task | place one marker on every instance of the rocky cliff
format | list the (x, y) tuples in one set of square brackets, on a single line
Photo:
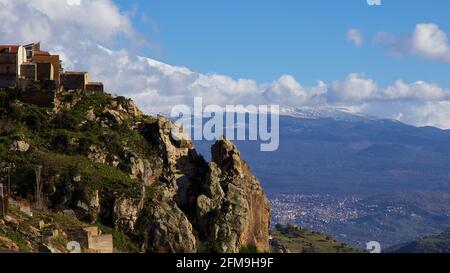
[(110, 164), (232, 209)]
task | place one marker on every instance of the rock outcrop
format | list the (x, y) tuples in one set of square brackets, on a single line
[(220, 204), (164, 227), (126, 213), (20, 146), (107, 162), (233, 211)]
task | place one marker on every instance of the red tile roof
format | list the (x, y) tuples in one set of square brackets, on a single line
[(13, 48), (41, 53), (75, 73)]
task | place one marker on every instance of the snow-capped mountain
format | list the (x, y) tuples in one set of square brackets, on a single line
[(163, 85), (335, 113)]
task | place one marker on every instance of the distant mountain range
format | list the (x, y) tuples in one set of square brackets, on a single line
[(328, 150), (316, 113), (385, 163)]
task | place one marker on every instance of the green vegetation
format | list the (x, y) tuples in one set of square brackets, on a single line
[(67, 143), (24, 231), (122, 242), (18, 239), (249, 249), (60, 143), (301, 240)]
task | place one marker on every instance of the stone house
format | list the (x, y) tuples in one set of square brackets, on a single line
[(91, 239), (80, 81), (75, 80), (94, 87), (50, 66), (28, 63)]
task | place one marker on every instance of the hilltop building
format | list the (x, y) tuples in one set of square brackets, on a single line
[(80, 81), (75, 80), (49, 66), (11, 59), (38, 75), (95, 87)]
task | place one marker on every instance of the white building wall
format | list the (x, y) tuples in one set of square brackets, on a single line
[(21, 58)]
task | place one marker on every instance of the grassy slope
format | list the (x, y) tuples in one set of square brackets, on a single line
[(298, 240), (50, 136)]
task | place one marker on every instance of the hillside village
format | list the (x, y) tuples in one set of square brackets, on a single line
[(38, 75)]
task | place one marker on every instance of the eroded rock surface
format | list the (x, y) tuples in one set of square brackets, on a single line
[(233, 210)]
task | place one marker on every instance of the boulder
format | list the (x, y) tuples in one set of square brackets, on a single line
[(20, 146), (8, 244)]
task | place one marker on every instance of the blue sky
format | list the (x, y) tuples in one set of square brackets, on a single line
[(390, 61), (265, 39)]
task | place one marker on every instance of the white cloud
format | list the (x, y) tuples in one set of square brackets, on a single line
[(156, 87), (427, 41), (431, 42), (356, 37), (287, 91), (356, 88), (431, 113), (76, 32), (74, 2), (57, 22), (418, 91)]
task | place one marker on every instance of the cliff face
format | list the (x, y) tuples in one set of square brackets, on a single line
[(232, 209), (220, 205), (108, 163)]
